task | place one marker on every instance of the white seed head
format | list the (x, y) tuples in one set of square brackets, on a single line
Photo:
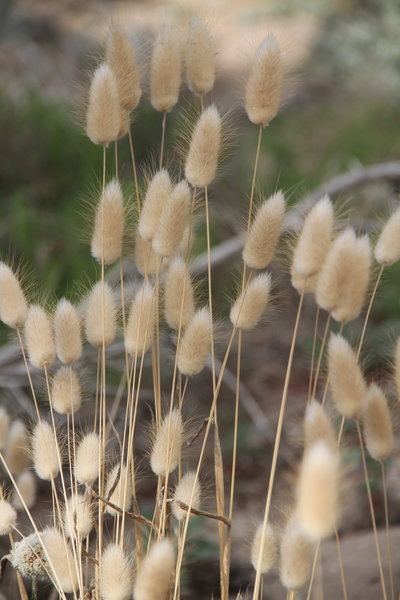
[(87, 459), (156, 572), (297, 555), (8, 517), (116, 574), (66, 397), (77, 517), (167, 445), (269, 554), (317, 426), (387, 249), (165, 70), (122, 494), (108, 229), (173, 221), (44, 451), (103, 111), (205, 144), (67, 332), (195, 343), (13, 306), (179, 296), (39, 338), (101, 315), (249, 307), (60, 564), (16, 452), (264, 233), (188, 488), (345, 378), (26, 484), (141, 322), (158, 191)]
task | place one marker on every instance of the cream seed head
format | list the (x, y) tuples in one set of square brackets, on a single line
[(249, 307), (16, 453), (205, 144), (26, 484), (269, 552), (156, 572), (200, 52), (263, 236), (108, 230), (158, 191), (187, 486), (101, 315), (141, 322), (77, 517), (179, 296), (297, 555), (66, 397), (195, 343), (173, 221), (264, 85), (8, 517), (387, 249), (346, 380), (120, 56), (67, 332), (61, 565), (116, 574), (122, 494), (103, 111), (147, 261), (4, 427), (39, 338), (317, 426), (377, 423), (165, 69), (13, 306), (87, 459), (167, 445), (44, 451)]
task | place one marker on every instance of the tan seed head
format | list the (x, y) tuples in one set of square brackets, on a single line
[(263, 236), (387, 249), (187, 489), (39, 338), (156, 572), (26, 484), (100, 315), (116, 574), (66, 396), (67, 332), (167, 445), (77, 517), (158, 191), (179, 296), (297, 555), (165, 70), (122, 494), (44, 451), (103, 111), (120, 56), (200, 51), (269, 551), (346, 380), (141, 322), (195, 343), (87, 459), (108, 230), (16, 453), (249, 307), (205, 144), (173, 221), (13, 306), (377, 422), (317, 426), (60, 556)]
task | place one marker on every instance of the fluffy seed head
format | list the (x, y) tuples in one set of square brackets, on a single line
[(4, 427), (77, 517), (249, 307), (173, 220), (146, 260), (156, 572), (44, 451), (122, 494), (317, 491), (67, 332), (167, 445), (317, 426), (13, 306), (378, 430), (8, 517), (195, 343), (187, 486), (120, 56), (179, 297), (103, 111), (264, 233), (124, 122), (16, 452), (116, 574), (345, 377), (26, 484), (39, 338), (101, 309), (28, 557), (264, 85), (200, 54), (297, 554), (108, 230), (141, 321), (269, 550), (87, 459), (304, 285), (61, 559), (387, 249), (165, 70), (66, 395), (202, 158), (157, 194)]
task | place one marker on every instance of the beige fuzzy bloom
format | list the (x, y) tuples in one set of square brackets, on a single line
[(318, 427), (187, 486), (173, 220), (67, 332), (66, 397), (39, 338), (195, 343), (317, 505), (167, 444), (314, 241), (387, 249), (116, 574), (16, 453), (26, 484), (120, 56), (205, 144), (179, 296), (249, 307), (8, 517), (156, 572), (4, 427), (158, 191), (100, 315), (60, 557), (87, 459), (263, 236), (13, 306), (124, 123), (297, 555), (264, 85), (77, 517), (141, 322), (269, 549), (44, 451), (200, 52), (122, 494), (147, 261), (108, 230), (346, 380), (185, 245), (103, 111), (165, 70), (378, 429), (304, 285)]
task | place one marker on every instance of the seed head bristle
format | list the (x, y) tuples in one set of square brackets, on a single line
[(249, 307), (77, 517), (167, 444), (141, 322), (187, 486), (108, 230), (13, 306), (179, 296), (269, 549), (378, 429), (87, 459), (317, 426), (297, 554), (39, 338), (156, 572), (264, 233), (120, 56), (158, 191), (204, 149), (173, 221), (67, 332), (122, 494), (4, 427), (66, 397), (44, 451), (165, 69), (195, 343), (116, 574), (101, 315), (8, 517), (26, 484), (103, 111), (16, 452), (346, 380), (387, 249), (200, 52)]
